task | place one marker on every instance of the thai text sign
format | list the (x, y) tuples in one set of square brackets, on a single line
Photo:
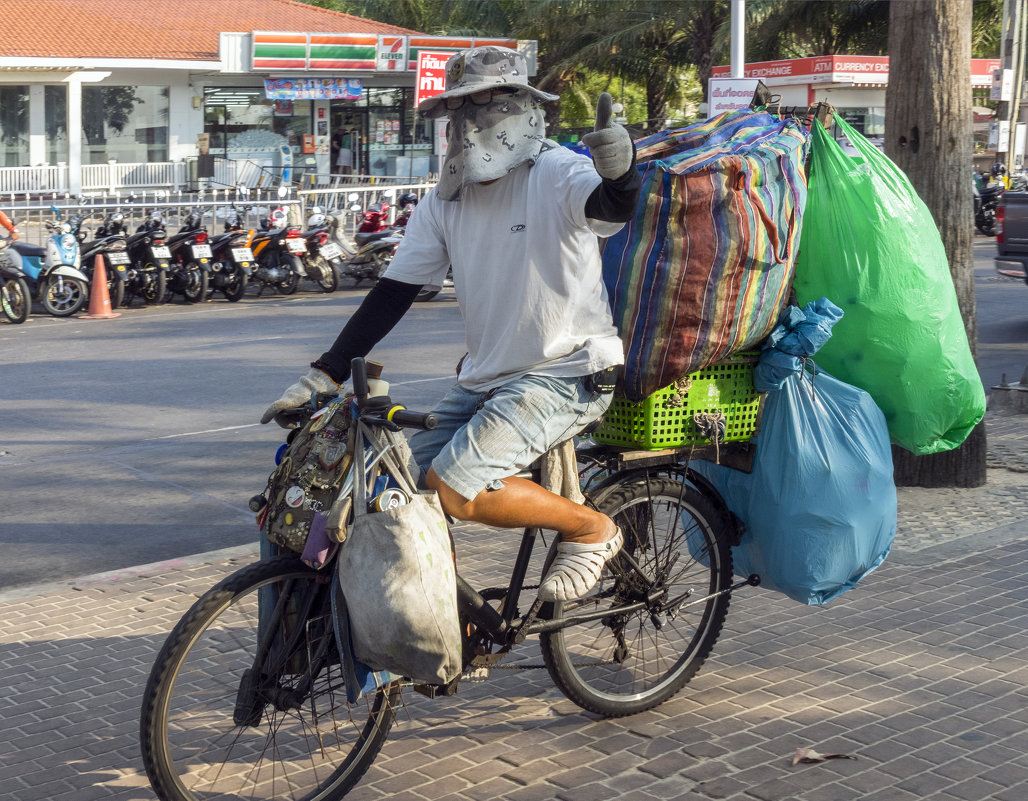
[(431, 75)]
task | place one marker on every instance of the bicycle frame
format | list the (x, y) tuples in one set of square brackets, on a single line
[(504, 627)]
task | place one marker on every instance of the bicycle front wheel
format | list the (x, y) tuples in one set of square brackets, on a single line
[(628, 662), (226, 716)]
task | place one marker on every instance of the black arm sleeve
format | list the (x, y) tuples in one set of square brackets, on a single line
[(381, 309), (615, 200)]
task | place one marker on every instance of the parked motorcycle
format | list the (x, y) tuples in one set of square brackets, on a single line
[(110, 247), (985, 202), (15, 297), (190, 259), (323, 258), (52, 270), (376, 242), (375, 219), (232, 258), (147, 272), (278, 248)]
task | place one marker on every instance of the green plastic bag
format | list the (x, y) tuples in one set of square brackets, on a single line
[(870, 245)]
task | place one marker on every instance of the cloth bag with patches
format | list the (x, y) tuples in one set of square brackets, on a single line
[(300, 515), (397, 574)]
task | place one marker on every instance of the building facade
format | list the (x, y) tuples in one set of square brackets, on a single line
[(164, 91), (854, 85)]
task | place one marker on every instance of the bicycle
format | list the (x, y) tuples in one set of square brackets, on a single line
[(247, 697)]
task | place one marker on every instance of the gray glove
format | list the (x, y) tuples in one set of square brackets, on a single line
[(609, 143), (300, 392)]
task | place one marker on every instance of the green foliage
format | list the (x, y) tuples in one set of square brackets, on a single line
[(663, 51), (986, 28)]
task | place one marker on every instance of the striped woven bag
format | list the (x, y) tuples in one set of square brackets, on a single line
[(704, 267)]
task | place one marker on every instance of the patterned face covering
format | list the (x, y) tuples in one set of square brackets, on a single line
[(486, 142)]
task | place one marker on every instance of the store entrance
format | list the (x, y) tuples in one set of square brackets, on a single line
[(349, 130)]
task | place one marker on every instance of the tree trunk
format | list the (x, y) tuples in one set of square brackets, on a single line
[(928, 135), (656, 100)]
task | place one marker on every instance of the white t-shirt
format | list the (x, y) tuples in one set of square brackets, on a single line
[(526, 271)]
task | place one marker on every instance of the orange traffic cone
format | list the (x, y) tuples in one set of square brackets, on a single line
[(99, 297)]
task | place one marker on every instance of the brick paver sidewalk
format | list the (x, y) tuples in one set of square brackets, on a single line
[(921, 673)]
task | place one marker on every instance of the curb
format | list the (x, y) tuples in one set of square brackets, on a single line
[(122, 574)]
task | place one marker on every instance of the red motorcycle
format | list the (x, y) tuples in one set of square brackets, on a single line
[(375, 219)]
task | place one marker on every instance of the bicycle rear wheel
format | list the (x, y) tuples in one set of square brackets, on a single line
[(213, 728), (627, 662)]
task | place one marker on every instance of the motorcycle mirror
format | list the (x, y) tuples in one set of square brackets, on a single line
[(282, 191), (355, 207), (389, 193), (353, 196)]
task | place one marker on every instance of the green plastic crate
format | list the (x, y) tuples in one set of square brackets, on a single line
[(666, 419)]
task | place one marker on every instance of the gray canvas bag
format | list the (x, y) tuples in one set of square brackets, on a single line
[(397, 575)]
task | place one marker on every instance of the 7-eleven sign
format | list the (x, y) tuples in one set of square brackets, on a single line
[(431, 76), (392, 51)]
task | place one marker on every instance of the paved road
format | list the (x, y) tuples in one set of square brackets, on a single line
[(133, 440), (1002, 319)]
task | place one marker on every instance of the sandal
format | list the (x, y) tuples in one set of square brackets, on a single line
[(577, 568)]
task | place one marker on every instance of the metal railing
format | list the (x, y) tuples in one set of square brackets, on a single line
[(31, 216), (172, 176), (31, 211), (343, 198)]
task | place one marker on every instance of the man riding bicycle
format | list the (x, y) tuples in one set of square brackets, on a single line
[(517, 217)]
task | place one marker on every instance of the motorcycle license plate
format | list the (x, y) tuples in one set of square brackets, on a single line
[(242, 254), (119, 258), (201, 251), (297, 245), (331, 250), (161, 252)]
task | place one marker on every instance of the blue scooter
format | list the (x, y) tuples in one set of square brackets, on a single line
[(52, 270)]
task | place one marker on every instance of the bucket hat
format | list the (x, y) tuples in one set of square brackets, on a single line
[(478, 69)]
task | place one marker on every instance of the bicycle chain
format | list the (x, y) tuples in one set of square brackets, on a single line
[(533, 667)]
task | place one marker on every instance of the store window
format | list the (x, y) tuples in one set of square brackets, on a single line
[(14, 126), (868, 121), (399, 143), (244, 124), (55, 102), (128, 124)]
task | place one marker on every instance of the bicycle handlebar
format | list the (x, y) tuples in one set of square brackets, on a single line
[(382, 407), (379, 409)]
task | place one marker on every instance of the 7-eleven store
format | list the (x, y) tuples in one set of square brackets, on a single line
[(281, 96)]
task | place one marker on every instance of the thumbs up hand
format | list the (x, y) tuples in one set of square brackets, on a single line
[(609, 143)]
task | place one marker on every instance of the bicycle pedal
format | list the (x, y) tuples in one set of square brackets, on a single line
[(476, 675)]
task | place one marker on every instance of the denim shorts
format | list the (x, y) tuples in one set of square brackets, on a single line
[(483, 437)]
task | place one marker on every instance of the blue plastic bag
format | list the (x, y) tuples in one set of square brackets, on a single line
[(820, 505)]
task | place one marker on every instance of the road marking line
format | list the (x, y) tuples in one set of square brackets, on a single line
[(208, 431), (233, 342), (254, 425)]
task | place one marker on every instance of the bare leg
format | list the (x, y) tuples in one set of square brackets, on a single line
[(523, 504)]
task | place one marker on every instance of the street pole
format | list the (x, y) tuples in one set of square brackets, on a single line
[(1012, 59), (738, 38)]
